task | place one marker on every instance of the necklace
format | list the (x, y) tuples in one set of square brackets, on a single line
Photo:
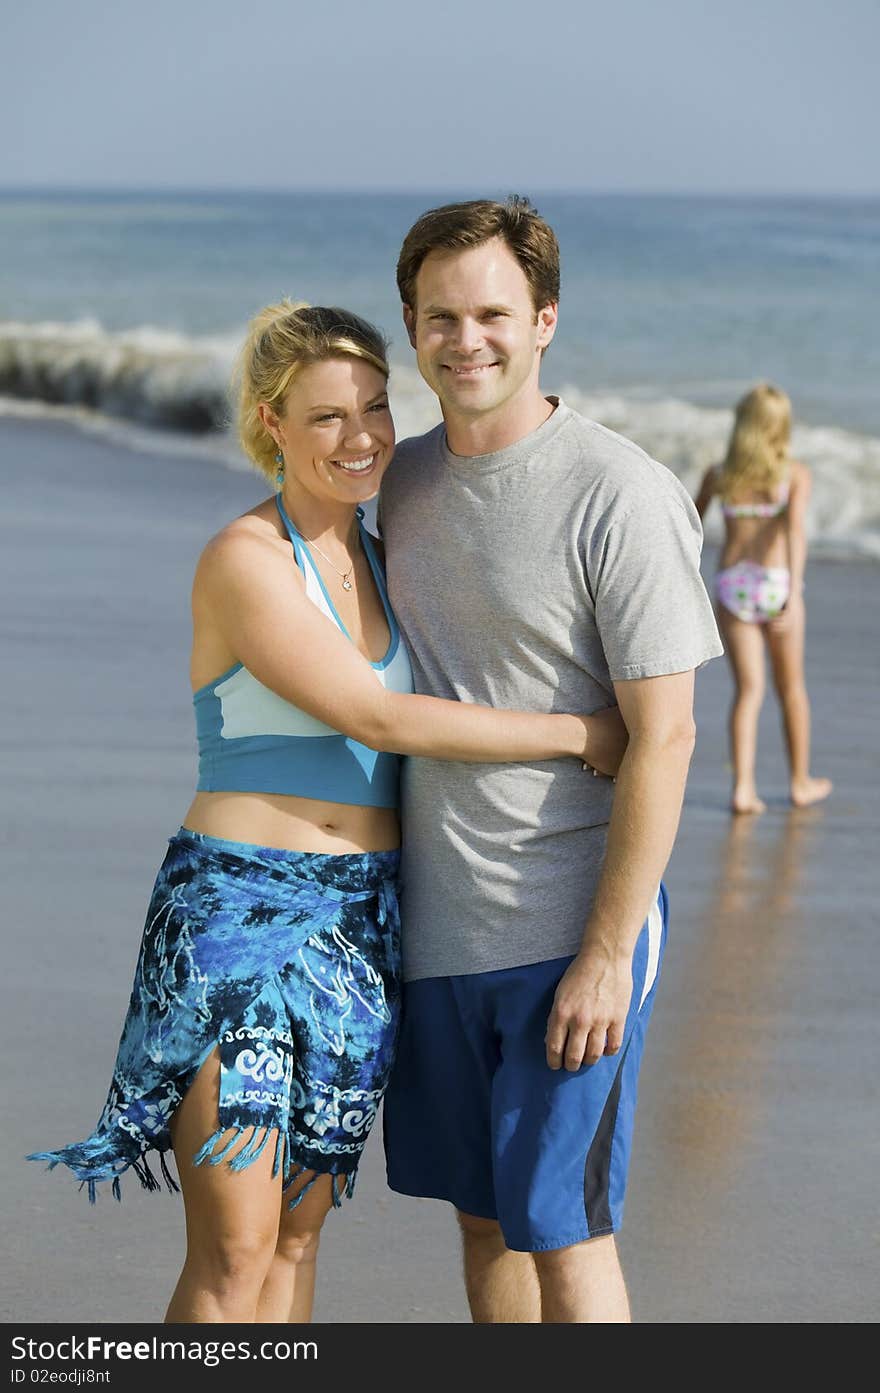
[(346, 583)]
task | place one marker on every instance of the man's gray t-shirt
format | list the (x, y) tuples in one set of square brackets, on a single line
[(531, 578)]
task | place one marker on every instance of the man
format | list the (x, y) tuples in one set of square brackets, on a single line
[(535, 560)]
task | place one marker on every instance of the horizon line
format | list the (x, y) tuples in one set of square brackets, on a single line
[(461, 191)]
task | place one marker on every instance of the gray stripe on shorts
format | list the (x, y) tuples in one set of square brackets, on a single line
[(597, 1168)]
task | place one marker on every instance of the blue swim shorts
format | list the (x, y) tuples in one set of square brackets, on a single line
[(287, 964), (474, 1115)]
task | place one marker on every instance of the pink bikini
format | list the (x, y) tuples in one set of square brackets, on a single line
[(752, 592)]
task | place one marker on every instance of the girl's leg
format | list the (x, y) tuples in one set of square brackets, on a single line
[(231, 1216), (288, 1291), (786, 649), (744, 646)]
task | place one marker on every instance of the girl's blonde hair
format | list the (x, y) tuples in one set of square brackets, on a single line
[(757, 456), (282, 340)]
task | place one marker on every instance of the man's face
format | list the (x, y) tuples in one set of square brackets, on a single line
[(477, 336)]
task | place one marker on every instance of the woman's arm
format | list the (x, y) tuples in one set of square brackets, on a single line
[(796, 539), (796, 525), (706, 491), (258, 602)]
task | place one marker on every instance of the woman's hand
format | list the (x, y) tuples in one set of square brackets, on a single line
[(789, 616), (607, 738)]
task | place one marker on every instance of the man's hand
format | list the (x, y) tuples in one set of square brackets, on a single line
[(607, 738), (589, 1010)]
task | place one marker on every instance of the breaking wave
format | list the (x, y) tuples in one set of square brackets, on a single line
[(163, 391)]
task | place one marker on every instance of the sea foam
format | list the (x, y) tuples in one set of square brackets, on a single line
[(161, 391)]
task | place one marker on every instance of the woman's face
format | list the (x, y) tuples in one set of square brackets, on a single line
[(336, 432)]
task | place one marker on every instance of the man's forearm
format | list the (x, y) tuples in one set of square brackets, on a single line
[(591, 1004), (644, 821)]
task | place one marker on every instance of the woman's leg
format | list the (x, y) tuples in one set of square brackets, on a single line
[(786, 648), (744, 646), (231, 1216), (289, 1287)]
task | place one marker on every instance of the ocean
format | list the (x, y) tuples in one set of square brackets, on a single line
[(123, 312)]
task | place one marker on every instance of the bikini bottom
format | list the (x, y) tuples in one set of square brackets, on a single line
[(752, 592)]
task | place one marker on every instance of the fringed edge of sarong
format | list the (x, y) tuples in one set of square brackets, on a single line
[(90, 1177), (342, 1184), (248, 1153)]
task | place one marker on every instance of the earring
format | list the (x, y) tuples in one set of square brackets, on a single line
[(279, 460)]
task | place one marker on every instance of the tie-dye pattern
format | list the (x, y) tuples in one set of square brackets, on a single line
[(289, 962)]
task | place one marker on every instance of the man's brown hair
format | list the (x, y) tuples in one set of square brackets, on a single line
[(458, 225)]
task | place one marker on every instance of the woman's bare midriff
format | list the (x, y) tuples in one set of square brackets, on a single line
[(294, 824)]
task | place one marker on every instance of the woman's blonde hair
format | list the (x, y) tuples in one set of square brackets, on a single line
[(282, 340), (757, 455)]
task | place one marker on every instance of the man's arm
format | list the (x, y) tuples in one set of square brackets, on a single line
[(592, 999)]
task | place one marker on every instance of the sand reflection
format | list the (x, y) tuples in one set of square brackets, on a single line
[(741, 987)]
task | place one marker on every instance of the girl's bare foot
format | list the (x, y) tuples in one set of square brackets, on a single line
[(807, 791), (746, 800)]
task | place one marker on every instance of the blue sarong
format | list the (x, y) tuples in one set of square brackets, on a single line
[(287, 961)]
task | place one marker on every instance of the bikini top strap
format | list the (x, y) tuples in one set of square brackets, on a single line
[(378, 573), (296, 541)]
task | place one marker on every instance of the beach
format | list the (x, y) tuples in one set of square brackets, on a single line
[(752, 1191)]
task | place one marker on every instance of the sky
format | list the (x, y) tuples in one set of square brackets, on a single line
[(706, 96)]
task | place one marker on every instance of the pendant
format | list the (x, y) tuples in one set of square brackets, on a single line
[(346, 585)]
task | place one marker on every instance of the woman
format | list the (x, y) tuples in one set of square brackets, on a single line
[(759, 587), (262, 1022)]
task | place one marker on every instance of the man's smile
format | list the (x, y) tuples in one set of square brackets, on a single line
[(469, 369)]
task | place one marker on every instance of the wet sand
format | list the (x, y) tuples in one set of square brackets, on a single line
[(752, 1195)]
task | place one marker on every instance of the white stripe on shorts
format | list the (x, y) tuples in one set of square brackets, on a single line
[(655, 933)]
